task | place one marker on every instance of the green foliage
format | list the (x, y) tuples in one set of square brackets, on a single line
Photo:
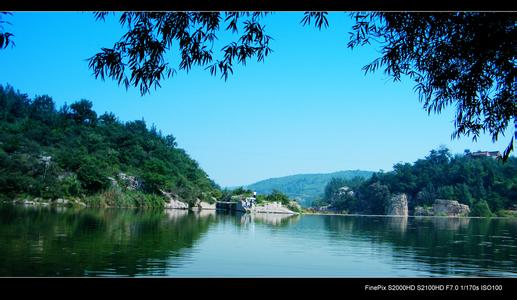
[(71, 152), (93, 176), (453, 62), (242, 191), (481, 209), (306, 188), (483, 183), (277, 196), (139, 58)]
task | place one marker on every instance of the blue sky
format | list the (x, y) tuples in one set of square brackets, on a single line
[(309, 108)]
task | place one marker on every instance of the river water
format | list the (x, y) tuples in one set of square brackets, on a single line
[(123, 242)]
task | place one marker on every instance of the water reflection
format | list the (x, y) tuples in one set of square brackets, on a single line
[(37, 241), (279, 220), (398, 224), (444, 246), (174, 214), (46, 241)]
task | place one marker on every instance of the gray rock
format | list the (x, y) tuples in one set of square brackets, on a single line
[(131, 182), (195, 206), (273, 207), (173, 201), (206, 205), (61, 201), (451, 208), (397, 205), (175, 204)]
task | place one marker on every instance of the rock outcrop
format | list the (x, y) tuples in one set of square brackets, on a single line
[(173, 201), (200, 205), (175, 204), (397, 205), (206, 205), (131, 182), (274, 207), (451, 208)]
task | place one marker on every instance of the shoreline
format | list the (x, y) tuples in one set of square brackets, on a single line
[(398, 216), (49, 205)]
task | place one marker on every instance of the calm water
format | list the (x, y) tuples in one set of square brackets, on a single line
[(121, 242)]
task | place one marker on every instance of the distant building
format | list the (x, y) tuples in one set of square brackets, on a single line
[(493, 154)]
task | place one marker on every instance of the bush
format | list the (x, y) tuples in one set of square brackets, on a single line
[(92, 175), (481, 209)]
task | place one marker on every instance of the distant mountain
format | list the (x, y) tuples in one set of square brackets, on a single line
[(304, 187)]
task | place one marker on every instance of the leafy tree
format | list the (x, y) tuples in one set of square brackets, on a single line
[(481, 209), (277, 196), (170, 141), (92, 175), (139, 57), (43, 109), (5, 37), (471, 180), (68, 152), (461, 59), (108, 118), (373, 198), (83, 113)]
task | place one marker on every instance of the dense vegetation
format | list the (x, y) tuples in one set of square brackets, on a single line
[(485, 184), (71, 152), (305, 188)]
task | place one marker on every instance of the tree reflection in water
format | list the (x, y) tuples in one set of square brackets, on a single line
[(92, 242), (446, 246)]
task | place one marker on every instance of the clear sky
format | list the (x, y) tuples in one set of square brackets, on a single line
[(309, 108)]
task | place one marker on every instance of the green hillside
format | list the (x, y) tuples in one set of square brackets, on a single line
[(73, 153), (304, 187)]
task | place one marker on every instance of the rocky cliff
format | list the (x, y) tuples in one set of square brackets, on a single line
[(451, 208), (397, 206)]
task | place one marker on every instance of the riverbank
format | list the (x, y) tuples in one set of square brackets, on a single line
[(512, 215), (99, 201)]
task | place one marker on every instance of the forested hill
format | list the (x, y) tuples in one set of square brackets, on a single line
[(72, 152), (304, 187), (486, 184)]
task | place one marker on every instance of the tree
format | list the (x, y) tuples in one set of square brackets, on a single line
[(5, 37), (138, 58), (481, 209), (170, 141), (83, 113), (43, 109), (93, 176), (462, 59), (373, 197), (277, 196)]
